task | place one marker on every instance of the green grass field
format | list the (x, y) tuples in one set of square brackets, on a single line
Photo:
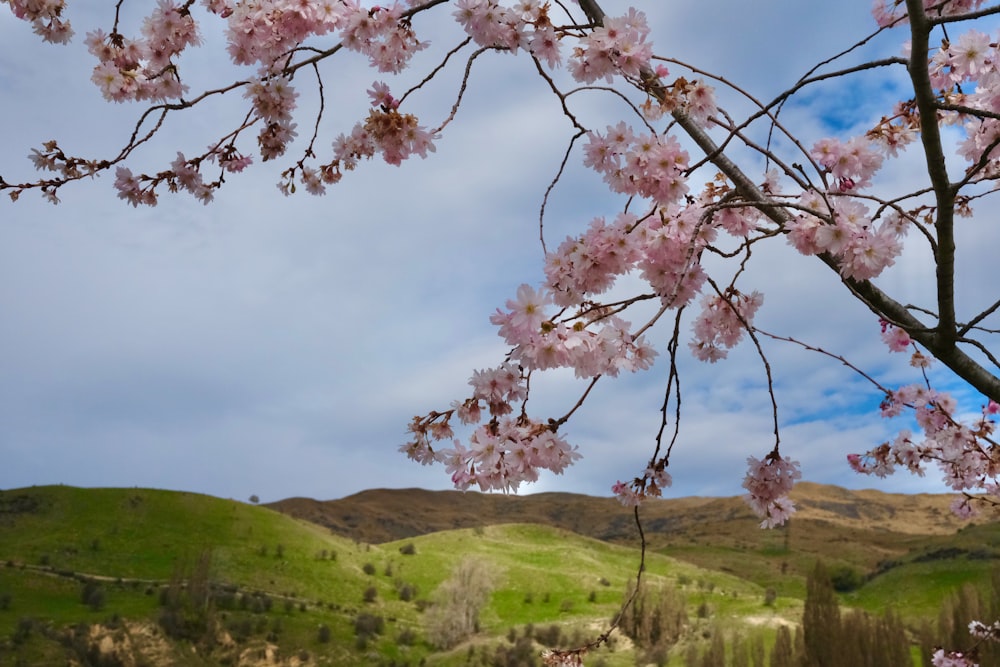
[(134, 542)]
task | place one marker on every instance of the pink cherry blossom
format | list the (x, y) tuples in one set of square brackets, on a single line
[(895, 338), (768, 483), (722, 323), (853, 163), (942, 658), (619, 47), (46, 18)]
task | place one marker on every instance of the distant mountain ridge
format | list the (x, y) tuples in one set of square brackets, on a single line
[(867, 530), (385, 515)]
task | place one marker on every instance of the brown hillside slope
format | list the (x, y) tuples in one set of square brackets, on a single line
[(858, 528), (384, 515)]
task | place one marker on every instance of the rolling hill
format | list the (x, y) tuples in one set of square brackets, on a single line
[(126, 577), (866, 530)]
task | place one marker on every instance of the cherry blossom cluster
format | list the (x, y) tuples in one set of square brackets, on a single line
[(563, 658), (601, 347), (589, 264), (895, 132), (893, 12), (768, 483), (863, 247), (722, 321), (524, 26), (386, 132), (966, 72), (45, 16), (965, 452), (144, 68), (264, 32), (663, 248), (504, 452), (943, 658), (968, 69), (51, 158), (273, 101), (843, 226), (896, 339), (852, 164), (654, 480), (979, 631), (267, 32), (184, 175), (618, 47), (649, 165), (696, 98)]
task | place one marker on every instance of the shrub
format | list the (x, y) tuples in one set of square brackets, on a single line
[(368, 568), (241, 629), (406, 591), (92, 595), (408, 549), (370, 594), (549, 636), (323, 635), (24, 629), (368, 625), (845, 579)]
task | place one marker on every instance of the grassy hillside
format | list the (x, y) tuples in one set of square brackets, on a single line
[(862, 530), (133, 542), (277, 582)]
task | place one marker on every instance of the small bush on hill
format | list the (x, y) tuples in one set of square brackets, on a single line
[(368, 625), (93, 596)]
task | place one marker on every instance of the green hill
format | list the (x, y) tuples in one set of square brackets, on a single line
[(864, 531), (139, 576), (134, 545)]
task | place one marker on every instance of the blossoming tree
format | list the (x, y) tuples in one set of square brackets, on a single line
[(705, 188)]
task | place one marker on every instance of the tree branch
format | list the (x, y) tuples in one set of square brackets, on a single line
[(940, 341), (944, 192)]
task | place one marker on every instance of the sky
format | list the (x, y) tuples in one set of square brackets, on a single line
[(278, 346)]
